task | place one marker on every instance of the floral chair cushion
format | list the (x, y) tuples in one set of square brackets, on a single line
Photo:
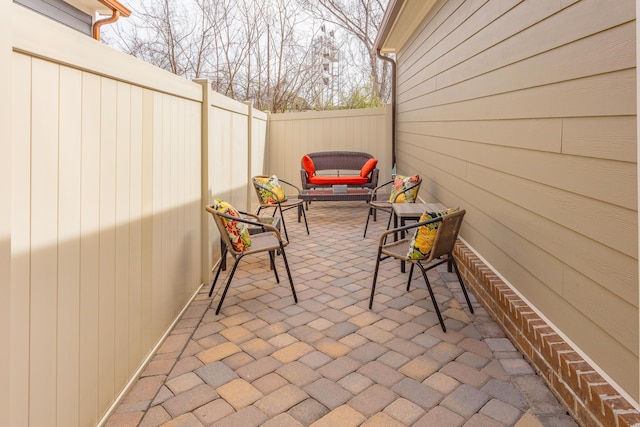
[(400, 184), (424, 236), (237, 232), (270, 190)]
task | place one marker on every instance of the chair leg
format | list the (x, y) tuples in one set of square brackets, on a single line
[(215, 279), (433, 298), (390, 218), (375, 277), (284, 226), (366, 224), (286, 265), (304, 215), (410, 275), (464, 290), (226, 288), (273, 266)]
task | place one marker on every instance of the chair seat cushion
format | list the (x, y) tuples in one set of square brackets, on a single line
[(337, 180), (425, 235), (237, 232)]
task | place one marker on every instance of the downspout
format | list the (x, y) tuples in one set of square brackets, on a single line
[(393, 105), (110, 20)]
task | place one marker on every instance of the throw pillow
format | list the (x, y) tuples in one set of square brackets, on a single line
[(237, 232), (308, 166), (368, 167), (270, 190), (423, 238), (400, 185)]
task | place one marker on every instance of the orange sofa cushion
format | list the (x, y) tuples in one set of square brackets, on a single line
[(368, 167), (307, 164), (337, 180)]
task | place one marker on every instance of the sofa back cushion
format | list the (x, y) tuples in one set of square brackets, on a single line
[(308, 166), (368, 167)]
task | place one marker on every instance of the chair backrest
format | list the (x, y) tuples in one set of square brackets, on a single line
[(222, 230), (412, 188), (446, 235), (268, 189), (257, 188)]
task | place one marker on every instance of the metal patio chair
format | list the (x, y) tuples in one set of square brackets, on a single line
[(448, 227), (268, 241), (270, 196), (394, 197)]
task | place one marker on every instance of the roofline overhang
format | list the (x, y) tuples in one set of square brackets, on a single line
[(101, 7), (400, 21)]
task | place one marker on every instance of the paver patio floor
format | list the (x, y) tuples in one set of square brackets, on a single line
[(330, 361)]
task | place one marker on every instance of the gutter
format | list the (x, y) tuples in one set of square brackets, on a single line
[(117, 10), (391, 14), (393, 105)]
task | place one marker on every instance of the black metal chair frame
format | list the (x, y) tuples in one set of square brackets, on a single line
[(268, 241), (444, 242), (385, 205), (290, 203)]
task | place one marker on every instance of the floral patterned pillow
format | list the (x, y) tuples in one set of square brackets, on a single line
[(237, 232), (270, 190), (400, 184), (424, 236)]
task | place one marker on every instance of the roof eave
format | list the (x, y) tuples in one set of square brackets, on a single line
[(400, 21), (102, 7)]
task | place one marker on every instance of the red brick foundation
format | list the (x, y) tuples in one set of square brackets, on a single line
[(586, 394)]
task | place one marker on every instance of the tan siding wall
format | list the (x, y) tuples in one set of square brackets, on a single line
[(105, 219), (524, 113), (292, 135)]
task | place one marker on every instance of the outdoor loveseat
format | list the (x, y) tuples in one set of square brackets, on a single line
[(328, 168)]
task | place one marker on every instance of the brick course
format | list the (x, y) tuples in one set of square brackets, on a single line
[(586, 394)]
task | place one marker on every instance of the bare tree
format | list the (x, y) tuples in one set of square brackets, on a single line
[(250, 50), (362, 19)]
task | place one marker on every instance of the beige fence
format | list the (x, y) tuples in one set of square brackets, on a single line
[(105, 212), (110, 165)]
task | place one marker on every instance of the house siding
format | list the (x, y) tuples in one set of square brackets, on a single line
[(524, 113)]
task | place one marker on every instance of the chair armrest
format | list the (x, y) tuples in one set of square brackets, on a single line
[(383, 236), (417, 184), (375, 190), (374, 177), (265, 227), (303, 178), (249, 214), (290, 184)]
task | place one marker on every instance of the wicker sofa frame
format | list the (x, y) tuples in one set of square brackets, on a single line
[(340, 163)]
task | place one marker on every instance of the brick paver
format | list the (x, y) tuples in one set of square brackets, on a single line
[(329, 360)]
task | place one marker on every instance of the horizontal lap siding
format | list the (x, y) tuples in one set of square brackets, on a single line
[(524, 113)]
